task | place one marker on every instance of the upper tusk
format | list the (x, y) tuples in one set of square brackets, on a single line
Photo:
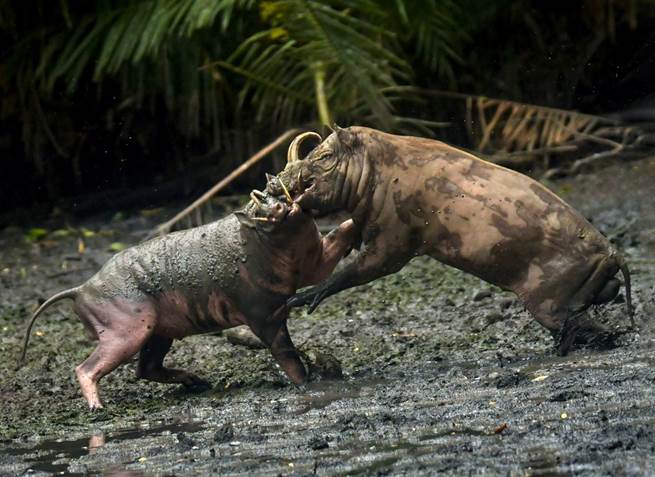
[(255, 199), (286, 192), (294, 147)]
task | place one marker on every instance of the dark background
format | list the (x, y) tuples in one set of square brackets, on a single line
[(134, 103)]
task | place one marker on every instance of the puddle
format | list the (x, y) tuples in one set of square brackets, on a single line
[(455, 431), (53, 456), (544, 462), (563, 364), (324, 393)]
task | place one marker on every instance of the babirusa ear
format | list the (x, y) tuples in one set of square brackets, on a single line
[(294, 147), (343, 135), (346, 138), (244, 219)]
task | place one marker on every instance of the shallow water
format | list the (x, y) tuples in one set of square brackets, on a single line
[(54, 455)]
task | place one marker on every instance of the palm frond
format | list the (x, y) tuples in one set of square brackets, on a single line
[(338, 59), (507, 126), (500, 125), (433, 30), (519, 134), (130, 42), (111, 37)]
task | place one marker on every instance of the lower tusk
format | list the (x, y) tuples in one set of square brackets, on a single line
[(261, 219), (286, 192), (255, 199)]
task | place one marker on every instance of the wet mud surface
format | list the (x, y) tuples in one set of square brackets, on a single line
[(440, 372)]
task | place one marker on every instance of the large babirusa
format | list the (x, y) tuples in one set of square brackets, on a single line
[(412, 196), (237, 270)]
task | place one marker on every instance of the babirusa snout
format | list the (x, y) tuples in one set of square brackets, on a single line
[(294, 147)]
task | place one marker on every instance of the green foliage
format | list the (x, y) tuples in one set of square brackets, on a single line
[(224, 75), (117, 246), (35, 234), (435, 30), (279, 62), (313, 46)]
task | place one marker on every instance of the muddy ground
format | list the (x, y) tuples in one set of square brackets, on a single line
[(441, 373)]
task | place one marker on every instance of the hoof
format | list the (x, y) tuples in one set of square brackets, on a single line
[(564, 343), (99, 414)]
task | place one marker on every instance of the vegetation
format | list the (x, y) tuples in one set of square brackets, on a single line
[(99, 94)]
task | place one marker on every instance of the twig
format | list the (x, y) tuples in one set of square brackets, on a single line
[(577, 165), (598, 139), (506, 156), (464, 96), (167, 226)]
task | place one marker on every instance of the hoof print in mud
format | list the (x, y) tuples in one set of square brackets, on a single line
[(508, 380), (197, 386), (482, 295), (184, 441), (225, 433), (318, 443), (323, 365), (568, 395), (355, 422)]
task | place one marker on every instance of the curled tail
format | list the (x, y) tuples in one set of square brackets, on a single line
[(70, 293), (628, 292)]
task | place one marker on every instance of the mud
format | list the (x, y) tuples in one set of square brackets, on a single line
[(441, 372)]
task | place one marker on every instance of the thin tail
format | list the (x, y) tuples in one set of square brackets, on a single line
[(70, 293), (628, 291)]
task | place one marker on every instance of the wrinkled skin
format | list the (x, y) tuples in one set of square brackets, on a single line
[(238, 270), (411, 196)]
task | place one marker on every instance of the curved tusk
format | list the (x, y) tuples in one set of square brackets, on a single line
[(294, 147), (286, 192), (259, 193), (254, 198)]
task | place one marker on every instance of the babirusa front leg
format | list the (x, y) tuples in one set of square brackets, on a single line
[(368, 265)]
